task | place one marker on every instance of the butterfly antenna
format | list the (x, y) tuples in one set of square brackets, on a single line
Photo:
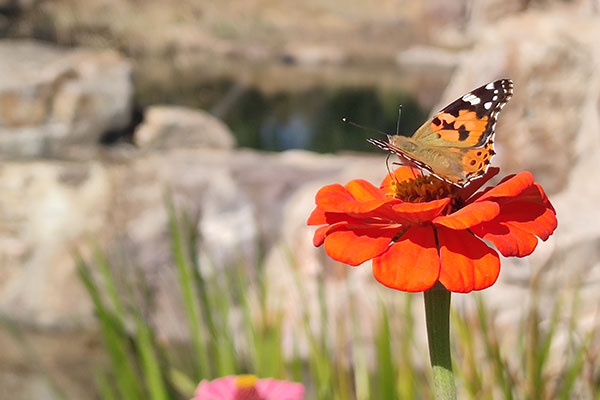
[(398, 123), (347, 121)]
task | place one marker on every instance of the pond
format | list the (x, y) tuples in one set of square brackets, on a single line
[(309, 119)]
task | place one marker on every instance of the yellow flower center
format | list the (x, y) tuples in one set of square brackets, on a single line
[(423, 189), (246, 388), (245, 381)]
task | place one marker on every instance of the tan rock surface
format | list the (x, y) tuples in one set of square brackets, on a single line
[(47, 210), (173, 127), (52, 97)]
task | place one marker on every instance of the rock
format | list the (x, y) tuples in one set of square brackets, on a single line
[(66, 360), (51, 98), (172, 127), (312, 56), (48, 210), (51, 208), (552, 68), (435, 59)]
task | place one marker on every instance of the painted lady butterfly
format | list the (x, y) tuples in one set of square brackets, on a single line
[(457, 144)]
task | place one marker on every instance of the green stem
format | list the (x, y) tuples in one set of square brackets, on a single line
[(437, 314)]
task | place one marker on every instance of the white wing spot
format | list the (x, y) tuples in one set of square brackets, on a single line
[(494, 98), (490, 86), (471, 98), (488, 105), (496, 91)]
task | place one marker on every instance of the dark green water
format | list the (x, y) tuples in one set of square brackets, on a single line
[(309, 119), (312, 120)]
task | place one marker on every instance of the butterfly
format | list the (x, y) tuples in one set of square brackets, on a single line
[(457, 144)]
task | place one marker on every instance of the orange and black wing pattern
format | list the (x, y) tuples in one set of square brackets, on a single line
[(457, 144)]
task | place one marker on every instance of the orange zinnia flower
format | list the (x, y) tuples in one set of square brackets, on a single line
[(419, 230)]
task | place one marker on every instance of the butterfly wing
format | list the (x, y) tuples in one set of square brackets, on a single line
[(469, 121), (457, 144), (446, 164)]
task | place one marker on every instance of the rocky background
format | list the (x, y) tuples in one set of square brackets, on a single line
[(71, 72)]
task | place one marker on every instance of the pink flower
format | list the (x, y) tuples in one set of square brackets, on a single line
[(248, 387)]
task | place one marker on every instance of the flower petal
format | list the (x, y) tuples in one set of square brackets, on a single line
[(544, 198), (329, 197), (415, 213), (220, 388), (469, 216), (510, 187), (338, 199), (509, 239), (349, 218), (272, 389), (364, 191), (355, 244), (515, 229), (320, 234), (467, 263), (535, 194), (530, 217), (317, 217), (412, 264)]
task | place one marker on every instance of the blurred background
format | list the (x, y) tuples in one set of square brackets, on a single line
[(158, 161)]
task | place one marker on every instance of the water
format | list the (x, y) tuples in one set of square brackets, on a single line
[(310, 119)]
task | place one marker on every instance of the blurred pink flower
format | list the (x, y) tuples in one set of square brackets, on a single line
[(248, 387)]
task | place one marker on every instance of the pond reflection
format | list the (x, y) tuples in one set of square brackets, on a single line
[(311, 119)]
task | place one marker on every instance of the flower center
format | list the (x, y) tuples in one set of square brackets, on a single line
[(423, 189), (246, 389)]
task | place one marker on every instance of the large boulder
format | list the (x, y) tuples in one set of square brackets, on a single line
[(49, 208), (180, 127), (52, 98)]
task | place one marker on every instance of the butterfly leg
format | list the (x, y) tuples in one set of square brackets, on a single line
[(387, 165), (412, 169)]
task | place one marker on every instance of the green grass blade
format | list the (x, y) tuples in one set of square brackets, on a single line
[(407, 378), (182, 382), (151, 367), (109, 284), (189, 295), (224, 347), (543, 352), (361, 368), (191, 235), (469, 372), (107, 391), (386, 368), (493, 352), (574, 370), (115, 338)]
